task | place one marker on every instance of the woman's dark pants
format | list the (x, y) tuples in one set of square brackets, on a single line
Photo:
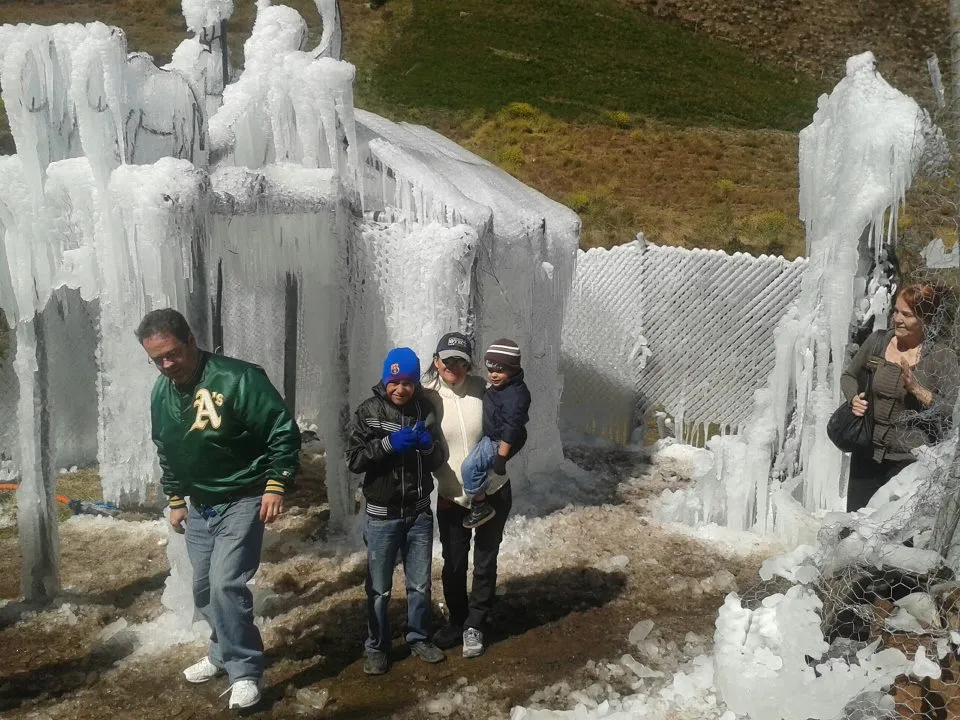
[(472, 610), (867, 476)]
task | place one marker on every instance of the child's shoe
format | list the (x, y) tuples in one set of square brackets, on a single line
[(480, 513)]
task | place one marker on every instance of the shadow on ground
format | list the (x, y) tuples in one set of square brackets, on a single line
[(335, 638)]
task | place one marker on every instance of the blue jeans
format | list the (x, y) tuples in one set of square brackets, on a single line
[(224, 551), (412, 537), (475, 469)]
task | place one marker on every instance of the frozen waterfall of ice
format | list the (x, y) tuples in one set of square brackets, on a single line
[(290, 228), (857, 160)]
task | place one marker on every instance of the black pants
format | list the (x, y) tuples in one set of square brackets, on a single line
[(867, 476), (472, 611)]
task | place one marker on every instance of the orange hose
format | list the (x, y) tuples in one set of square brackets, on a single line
[(13, 486)]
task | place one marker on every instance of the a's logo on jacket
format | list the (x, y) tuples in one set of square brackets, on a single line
[(395, 369), (206, 405)]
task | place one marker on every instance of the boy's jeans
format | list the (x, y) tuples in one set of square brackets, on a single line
[(412, 537), (475, 469), (224, 550)]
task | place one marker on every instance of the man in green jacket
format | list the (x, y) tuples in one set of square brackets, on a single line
[(228, 450)]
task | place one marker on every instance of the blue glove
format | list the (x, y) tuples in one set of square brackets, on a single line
[(403, 439), (424, 439)]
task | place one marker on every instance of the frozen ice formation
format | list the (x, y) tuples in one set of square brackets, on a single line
[(857, 159), (761, 660), (290, 228)]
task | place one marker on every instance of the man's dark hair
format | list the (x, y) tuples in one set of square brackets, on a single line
[(164, 322)]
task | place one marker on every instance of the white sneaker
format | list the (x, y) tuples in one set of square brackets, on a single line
[(202, 671), (244, 694), (472, 643)]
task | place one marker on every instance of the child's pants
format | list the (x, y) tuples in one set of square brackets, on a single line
[(475, 469)]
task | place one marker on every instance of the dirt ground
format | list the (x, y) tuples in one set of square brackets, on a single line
[(564, 598)]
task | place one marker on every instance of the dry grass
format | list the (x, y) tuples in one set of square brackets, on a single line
[(695, 187)]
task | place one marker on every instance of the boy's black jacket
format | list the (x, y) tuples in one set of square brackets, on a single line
[(506, 413), (395, 485)]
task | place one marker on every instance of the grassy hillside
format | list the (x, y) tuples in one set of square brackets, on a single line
[(631, 112), (581, 60)]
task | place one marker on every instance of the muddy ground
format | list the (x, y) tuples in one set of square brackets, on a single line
[(565, 598)]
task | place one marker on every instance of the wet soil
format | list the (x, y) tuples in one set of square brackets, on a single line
[(561, 603)]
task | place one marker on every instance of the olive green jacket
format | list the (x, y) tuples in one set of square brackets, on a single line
[(226, 436), (900, 422)]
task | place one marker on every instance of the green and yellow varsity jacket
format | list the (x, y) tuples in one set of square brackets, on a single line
[(227, 436)]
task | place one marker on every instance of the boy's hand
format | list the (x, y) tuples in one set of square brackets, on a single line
[(424, 440), (499, 465), (403, 439)]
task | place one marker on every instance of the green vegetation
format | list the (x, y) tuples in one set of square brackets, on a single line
[(579, 60)]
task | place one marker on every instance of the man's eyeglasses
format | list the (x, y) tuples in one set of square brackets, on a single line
[(455, 362), (174, 355)]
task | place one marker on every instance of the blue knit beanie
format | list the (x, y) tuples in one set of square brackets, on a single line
[(401, 364)]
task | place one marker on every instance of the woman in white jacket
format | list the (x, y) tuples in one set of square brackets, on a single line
[(458, 398)]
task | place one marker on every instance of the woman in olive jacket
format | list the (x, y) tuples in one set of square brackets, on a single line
[(458, 397), (912, 393)]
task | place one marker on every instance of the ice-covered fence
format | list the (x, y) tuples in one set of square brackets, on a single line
[(688, 330), (288, 232), (525, 258)]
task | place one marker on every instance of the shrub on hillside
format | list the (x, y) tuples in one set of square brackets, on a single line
[(620, 119), (510, 158), (578, 201), (520, 110)]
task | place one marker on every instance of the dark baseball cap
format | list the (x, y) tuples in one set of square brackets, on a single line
[(455, 345)]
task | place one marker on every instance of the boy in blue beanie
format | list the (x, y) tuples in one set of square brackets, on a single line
[(390, 441)]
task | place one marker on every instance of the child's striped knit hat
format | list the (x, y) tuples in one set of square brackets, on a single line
[(503, 354)]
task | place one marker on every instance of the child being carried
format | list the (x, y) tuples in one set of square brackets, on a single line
[(506, 408)]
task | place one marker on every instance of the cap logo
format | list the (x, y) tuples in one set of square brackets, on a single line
[(457, 341), (395, 369)]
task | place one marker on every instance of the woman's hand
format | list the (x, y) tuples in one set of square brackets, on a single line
[(859, 404), (912, 386)]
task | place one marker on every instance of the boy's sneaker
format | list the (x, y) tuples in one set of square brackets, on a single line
[(202, 671), (244, 694), (376, 663), (427, 651), (472, 643), (448, 636), (479, 514)]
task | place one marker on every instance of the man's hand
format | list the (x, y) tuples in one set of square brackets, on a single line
[(177, 518), (499, 465), (859, 405), (271, 505)]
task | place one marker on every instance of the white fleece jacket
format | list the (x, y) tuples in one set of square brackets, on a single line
[(460, 411)]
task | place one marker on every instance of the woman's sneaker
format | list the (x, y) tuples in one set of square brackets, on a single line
[(472, 643), (480, 513), (244, 694), (202, 671)]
